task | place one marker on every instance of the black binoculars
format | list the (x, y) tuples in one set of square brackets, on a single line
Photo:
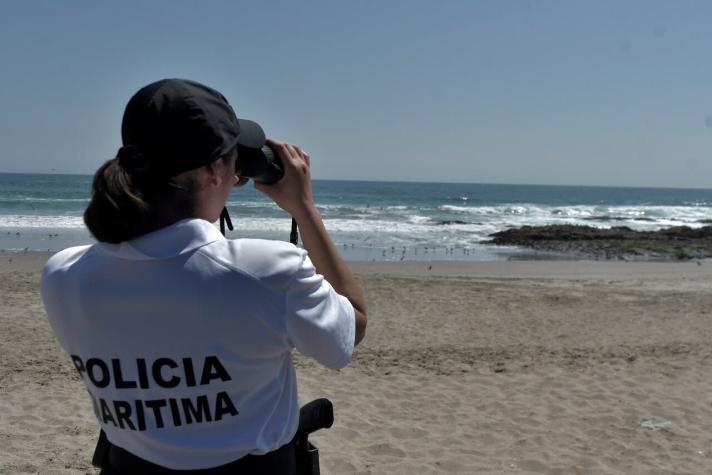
[(261, 164), (264, 166)]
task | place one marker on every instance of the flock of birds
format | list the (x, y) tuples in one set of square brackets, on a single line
[(404, 250)]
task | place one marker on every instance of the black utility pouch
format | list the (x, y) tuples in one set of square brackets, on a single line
[(311, 460), (101, 452)]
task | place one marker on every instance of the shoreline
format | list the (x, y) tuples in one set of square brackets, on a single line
[(33, 261), (527, 243)]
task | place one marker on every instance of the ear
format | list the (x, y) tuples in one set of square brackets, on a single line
[(214, 172)]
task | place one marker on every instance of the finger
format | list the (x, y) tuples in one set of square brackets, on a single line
[(273, 142), (296, 157), (303, 154), (281, 148), (298, 149), (294, 152)]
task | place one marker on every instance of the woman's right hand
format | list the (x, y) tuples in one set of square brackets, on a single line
[(293, 192)]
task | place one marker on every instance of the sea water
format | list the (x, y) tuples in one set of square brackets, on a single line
[(373, 220)]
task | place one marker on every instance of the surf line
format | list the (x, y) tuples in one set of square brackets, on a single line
[(133, 414)]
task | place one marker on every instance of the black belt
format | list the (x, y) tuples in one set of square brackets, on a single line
[(278, 462)]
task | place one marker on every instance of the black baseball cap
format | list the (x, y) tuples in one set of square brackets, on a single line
[(178, 125)]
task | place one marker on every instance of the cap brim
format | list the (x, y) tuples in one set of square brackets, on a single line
[(251, 134)]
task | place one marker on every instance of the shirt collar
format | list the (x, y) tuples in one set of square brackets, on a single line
[(178, 238)]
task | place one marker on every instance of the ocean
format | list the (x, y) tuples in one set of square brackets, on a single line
[(382, 221)]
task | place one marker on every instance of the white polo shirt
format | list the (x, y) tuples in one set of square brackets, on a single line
[(184, 339)]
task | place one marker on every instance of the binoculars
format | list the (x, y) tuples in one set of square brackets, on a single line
[(261, 164)]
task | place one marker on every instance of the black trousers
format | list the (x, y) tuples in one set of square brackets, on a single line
[(278, 462)]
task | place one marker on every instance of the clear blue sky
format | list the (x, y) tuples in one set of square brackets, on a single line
[(549, 92)]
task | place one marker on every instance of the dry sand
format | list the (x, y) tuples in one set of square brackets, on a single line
[(498, 368)]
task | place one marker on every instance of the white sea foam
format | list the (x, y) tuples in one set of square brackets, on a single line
[(251, 204), (476, 219), (417, 219), (16, 221), (31, 199), (536, 214)]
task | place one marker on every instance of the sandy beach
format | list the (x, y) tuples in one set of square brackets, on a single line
[(492, 368)]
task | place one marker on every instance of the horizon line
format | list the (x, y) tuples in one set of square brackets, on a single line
[(435, 182)]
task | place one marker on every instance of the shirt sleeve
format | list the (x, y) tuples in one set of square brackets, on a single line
[(321, 323)]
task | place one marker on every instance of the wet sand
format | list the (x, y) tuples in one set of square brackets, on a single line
[(493, 367)]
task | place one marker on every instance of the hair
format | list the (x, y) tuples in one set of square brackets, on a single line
[(128, 199)]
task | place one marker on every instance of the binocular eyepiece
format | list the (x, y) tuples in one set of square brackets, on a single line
[(261, 164)]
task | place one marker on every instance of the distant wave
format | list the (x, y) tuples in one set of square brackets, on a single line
[(618, 218), (31, 199), (683, 214)]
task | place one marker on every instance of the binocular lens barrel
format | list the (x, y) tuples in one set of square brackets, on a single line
[(261, 164)]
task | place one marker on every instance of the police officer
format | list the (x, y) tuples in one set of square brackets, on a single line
[(183, 338)]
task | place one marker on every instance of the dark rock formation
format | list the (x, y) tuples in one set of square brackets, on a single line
[(676, 243)]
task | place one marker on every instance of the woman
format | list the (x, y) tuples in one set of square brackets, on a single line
[(182, 337)]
